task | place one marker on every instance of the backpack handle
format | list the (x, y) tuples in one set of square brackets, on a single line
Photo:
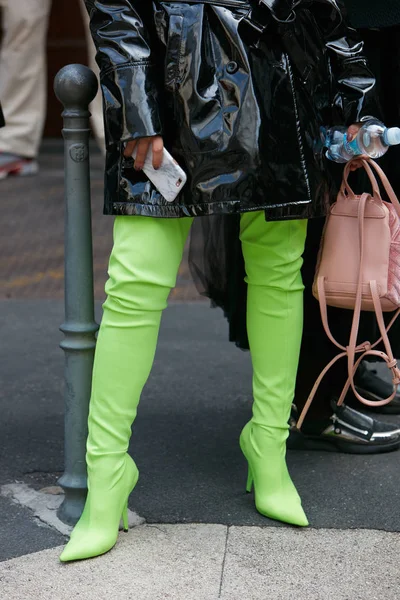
[(353, 165), (366, 163)]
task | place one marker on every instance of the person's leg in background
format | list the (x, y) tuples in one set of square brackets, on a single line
[(327, 427), (382, 48), (23, 83), (96, 107), (143, 268), (273, 258)]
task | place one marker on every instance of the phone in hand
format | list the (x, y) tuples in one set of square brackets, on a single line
[(169, 179)]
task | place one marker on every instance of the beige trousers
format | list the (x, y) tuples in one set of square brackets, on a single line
[(23, 76)]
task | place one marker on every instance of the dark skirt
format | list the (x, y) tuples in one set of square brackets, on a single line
[(217, 264)]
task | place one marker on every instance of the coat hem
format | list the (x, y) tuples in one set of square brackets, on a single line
[(279, 212)]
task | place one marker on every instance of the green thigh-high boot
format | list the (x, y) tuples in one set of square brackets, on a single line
[(273, 257), (142, 270)]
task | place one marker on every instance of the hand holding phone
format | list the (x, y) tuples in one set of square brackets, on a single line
[(158, 165), (169, 179), (142, 146)]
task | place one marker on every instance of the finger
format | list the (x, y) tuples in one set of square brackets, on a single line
[(355, 164), (352, 131), (142, 150), (157, 148), (129, 148)]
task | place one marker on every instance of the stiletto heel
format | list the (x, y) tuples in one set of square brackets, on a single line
[(249, 484), (125, 517)]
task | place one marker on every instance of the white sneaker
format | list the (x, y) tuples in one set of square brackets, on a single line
[(12, 164)]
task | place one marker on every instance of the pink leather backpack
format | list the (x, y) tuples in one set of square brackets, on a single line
[(359, 269)]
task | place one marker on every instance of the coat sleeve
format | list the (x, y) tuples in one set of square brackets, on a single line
[(122, 31), (354, 84)]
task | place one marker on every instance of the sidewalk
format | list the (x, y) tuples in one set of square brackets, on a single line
[(207, 562), (201, 537)]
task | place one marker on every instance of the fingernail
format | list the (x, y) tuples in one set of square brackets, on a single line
[(138, 167)]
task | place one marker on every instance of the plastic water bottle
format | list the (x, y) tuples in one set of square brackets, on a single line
[(373, 139)]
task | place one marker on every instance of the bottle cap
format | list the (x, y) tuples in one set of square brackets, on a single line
[(392, 136)]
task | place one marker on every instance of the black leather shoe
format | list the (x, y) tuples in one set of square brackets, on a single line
[(347, 430), (374, 381)]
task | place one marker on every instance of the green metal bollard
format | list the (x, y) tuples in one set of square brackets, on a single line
[(76, 86)]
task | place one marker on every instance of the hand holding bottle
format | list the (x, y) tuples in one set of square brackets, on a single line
[(371, 138)]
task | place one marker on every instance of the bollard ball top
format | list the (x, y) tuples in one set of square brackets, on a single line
[(75, 86)]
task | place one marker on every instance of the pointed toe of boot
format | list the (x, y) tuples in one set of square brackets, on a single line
[(301, 519), (69, 553), (78, 549), (297, 518), (291, 513), (303, 522)]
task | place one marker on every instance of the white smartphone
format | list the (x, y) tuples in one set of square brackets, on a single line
[(169, 179)]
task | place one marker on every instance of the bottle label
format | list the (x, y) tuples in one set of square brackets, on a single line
[(352, 147)]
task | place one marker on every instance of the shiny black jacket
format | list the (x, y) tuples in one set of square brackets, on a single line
[(239, 89)]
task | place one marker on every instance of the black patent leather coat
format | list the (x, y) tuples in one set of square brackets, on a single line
[(239, 89)]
